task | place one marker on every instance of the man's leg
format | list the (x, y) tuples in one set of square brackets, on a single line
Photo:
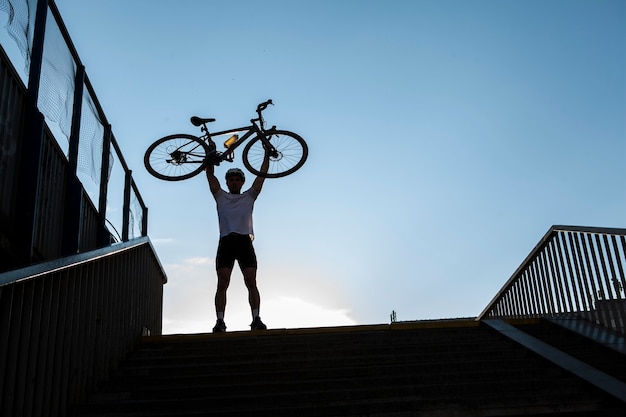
[(249, 276), (254, 298), (223, 281)]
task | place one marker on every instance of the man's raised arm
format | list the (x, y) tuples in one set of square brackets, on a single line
[(214, 184), (258, 181)]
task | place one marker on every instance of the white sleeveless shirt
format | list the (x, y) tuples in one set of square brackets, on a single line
[(234, 212)]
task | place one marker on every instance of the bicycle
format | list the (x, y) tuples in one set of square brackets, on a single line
[(182, 156)]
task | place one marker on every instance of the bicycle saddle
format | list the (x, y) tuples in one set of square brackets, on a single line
[(198, 121)]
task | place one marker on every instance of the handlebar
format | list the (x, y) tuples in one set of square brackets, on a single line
[(263, 106)]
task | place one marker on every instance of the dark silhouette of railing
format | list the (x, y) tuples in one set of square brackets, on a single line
[(573, 271), (66, 323), (47, 209), (73, 301)]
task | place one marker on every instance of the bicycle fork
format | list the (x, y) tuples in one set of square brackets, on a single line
[(267, 145)]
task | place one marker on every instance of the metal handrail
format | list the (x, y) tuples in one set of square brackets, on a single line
[(49, 267), (572, 271)]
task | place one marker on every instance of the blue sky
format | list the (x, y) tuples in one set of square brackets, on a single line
[(446, 137)]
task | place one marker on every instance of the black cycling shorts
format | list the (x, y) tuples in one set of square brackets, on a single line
[(235, 246)]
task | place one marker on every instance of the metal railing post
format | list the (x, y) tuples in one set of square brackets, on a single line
[(104, 238), (144, 222), (36, 54), (126, 209), (74, 191), (32, 144)]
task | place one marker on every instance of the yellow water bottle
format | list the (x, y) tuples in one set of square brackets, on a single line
[(229, 142)]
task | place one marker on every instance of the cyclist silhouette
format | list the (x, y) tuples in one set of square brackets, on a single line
[(234, 210)]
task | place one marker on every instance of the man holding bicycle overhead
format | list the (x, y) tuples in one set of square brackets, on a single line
[(234, 211)]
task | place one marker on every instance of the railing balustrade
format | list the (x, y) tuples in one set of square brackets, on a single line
[(573, 271), (65, 324)]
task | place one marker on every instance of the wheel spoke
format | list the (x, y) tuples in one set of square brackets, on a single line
[(175, 157), (291, 152)]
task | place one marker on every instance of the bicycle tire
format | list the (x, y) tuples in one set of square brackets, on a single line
[(162, 162), (292, 154)]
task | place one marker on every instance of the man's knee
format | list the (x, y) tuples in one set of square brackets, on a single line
[(223, 278), (249, 276)]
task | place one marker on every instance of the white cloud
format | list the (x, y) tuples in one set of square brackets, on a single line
[(162, 240), (290, 312), (200, 261), (286, 302)]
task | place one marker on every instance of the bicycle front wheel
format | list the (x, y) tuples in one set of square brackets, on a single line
[(291, 153), (176, 157)]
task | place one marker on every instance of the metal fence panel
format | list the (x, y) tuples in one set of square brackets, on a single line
[(575, 271)]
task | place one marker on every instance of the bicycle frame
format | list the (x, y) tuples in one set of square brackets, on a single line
[(227, 155)]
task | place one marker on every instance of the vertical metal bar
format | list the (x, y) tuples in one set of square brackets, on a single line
[(588, 276), (126, 209), (602, 270), (528, 289), (557, 282), (24, 343), (65, 355), (109, 281), (517, 299), (559, 256), (43, 365), (35, 346), (82, 345), (77, 110), (72, 346), (11, 369), (144, 222), (549, 292), (510, 304), (99, 322), (56, 389), (556, 278), (510, 296), (30, 177), (6, 300), (74, 191), (36, 54), (620, 282), (6, 307), (51, 342), (569, 257), (89, 327), (545, 287), (584, 291), (537, 288), (613, 260), (103, 233), (525, 294), (621, 260)]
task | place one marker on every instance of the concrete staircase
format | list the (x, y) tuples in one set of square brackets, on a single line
[(433, 368)]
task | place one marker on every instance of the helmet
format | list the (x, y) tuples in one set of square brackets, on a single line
[(235, 171)]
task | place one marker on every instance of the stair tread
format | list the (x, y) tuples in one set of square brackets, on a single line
[(342, 374)]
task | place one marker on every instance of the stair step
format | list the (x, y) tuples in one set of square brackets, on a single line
[(469, 370)]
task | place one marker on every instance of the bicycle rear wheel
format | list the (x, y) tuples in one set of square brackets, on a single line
[(176, 157), (291, 153)]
